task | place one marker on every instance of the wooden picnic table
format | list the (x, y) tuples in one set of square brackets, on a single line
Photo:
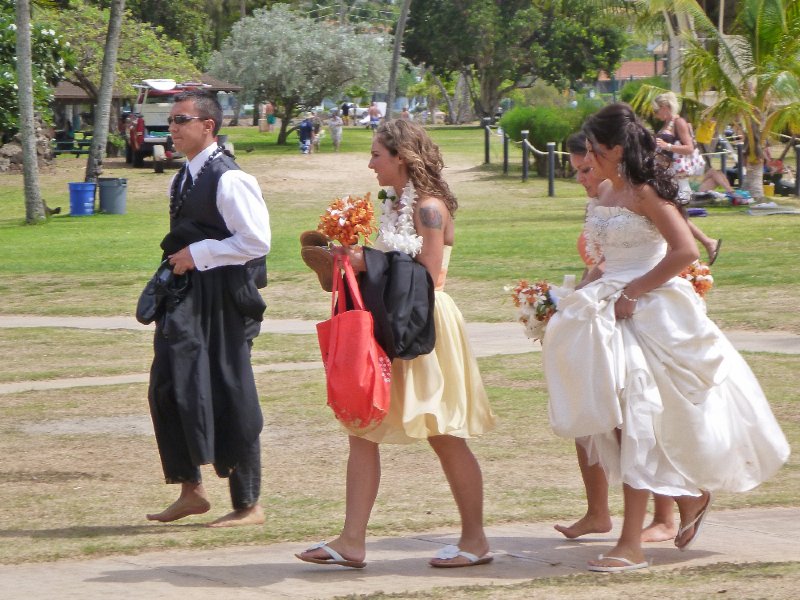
[(77, 143)]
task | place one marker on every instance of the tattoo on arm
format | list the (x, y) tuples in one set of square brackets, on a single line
[(430, 217)]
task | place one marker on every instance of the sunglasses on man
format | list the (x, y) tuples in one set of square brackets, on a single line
[(182, 119)]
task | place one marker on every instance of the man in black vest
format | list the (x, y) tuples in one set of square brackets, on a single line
[(202, 395)]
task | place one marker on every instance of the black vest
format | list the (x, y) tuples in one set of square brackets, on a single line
[(200, 205), (199, 218)]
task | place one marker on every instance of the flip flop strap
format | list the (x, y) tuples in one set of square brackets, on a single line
[(324, 546), (624, 561), (450, 552)]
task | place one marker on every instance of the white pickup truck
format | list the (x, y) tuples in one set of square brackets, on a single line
[(146, 129)]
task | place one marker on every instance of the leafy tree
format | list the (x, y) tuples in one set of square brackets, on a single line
[(199, 25), (510, 44), (750, 78), (50, 57), (144, 53), (362, 14), (186, 21), (278, 55)]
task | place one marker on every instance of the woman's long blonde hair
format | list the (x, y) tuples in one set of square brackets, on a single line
[(411, 142)]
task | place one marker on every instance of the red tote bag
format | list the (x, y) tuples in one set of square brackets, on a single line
[(357, 370)]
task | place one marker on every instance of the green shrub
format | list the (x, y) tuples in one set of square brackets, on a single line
[(630, 89), (544, 124), (515, 120)]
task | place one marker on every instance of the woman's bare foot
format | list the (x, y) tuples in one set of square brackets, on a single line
[(693, 511), (587, 524), (184, 506), (659, 531), (253, 515), (349, 553), (634, 555)]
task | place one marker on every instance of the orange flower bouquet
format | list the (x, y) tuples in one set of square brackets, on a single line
[(349, 219), (535, 306), (699, 275)]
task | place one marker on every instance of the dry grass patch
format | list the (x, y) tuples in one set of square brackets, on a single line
[(37, 354), (81, 467), (776, 581)]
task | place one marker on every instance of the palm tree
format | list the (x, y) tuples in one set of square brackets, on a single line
[(749, 78), (94, 163), (34, 207), (398, 44)]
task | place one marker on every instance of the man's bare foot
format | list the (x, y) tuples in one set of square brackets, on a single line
[(587, 524), (182, 507), (253, 515), (658, 531)]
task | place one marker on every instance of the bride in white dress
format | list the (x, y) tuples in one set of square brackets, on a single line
[(634, 365)]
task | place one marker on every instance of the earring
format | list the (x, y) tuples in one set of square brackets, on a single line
[(620, 170)]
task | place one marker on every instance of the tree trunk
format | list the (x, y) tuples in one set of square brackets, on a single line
[(398, 44), (450, 105), (283, 133), (462, 100), (754, 179), (489, 100), (102, 111), (34, 207), (236, 108)]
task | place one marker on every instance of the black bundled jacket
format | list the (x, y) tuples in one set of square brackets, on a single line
[(398, 291)]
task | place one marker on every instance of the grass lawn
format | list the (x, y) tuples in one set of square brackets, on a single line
[(80, 466)]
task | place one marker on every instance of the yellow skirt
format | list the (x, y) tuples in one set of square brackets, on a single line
[(440, 393)]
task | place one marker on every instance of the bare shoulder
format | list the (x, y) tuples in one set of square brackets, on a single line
[(649, 201), (432, 212)]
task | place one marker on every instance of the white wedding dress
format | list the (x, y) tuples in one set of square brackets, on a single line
[(690, 413)]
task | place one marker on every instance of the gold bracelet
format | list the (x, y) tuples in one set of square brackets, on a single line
[(624, 295)]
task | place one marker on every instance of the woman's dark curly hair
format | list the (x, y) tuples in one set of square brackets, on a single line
[(617, 125), (411, 142)]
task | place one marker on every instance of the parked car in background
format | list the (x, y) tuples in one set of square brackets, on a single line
[(146, 130)]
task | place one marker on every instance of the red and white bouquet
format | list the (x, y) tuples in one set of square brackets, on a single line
[(535, 306), (699, 275)]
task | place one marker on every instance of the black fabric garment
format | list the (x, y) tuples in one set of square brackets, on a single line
[(398, 291), (187, 179), (202, 394)]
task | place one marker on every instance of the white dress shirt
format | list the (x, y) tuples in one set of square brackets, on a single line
[(242, 206)]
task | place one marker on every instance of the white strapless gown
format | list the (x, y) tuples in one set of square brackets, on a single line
[(691, 414)]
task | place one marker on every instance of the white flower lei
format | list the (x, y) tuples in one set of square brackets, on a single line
[(396, 230)]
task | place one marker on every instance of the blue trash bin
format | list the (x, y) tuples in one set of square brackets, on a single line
[(81, 199)]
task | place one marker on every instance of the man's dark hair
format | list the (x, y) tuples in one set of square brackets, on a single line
[(576, 144), (207, 105)]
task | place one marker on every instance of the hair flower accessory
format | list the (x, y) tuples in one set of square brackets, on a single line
[(349, 219), (699, 275), (535, 306)]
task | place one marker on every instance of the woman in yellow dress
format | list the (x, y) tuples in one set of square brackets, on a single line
[(438, 397)]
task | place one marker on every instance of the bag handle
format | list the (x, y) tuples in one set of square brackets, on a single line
[(340, 284)]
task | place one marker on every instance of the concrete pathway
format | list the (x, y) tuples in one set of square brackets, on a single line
[(399, 564), (488, 339)]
